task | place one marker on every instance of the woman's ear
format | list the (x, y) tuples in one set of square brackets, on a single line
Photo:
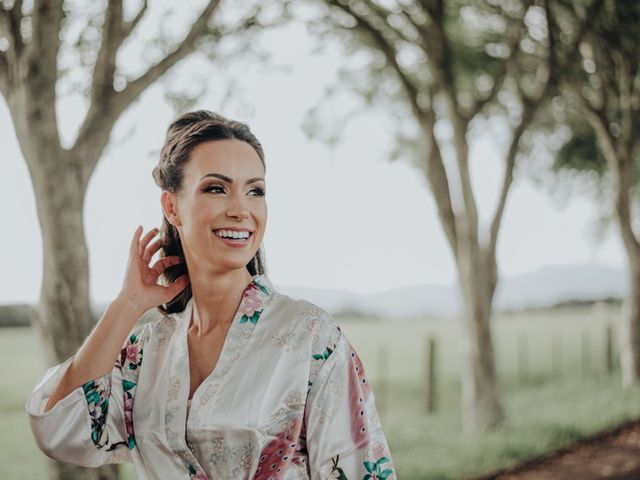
[(168, 201)]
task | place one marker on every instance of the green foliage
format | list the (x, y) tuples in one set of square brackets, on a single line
[(18, 315), (581, 153)]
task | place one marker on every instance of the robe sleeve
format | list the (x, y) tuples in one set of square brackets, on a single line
[(344, 436), (92, 425)]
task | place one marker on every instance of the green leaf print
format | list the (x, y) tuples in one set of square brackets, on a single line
[(127, 385), (256, 315), (385, 474), (325, 355), (93, 397)]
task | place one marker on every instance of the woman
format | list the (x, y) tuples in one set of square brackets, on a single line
[(235, 380)]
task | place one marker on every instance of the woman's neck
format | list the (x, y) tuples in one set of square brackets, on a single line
[(216, 300)]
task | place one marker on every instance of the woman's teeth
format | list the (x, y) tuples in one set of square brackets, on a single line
[(230, 234)]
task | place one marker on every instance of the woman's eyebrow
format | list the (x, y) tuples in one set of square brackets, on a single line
[(230, 180)]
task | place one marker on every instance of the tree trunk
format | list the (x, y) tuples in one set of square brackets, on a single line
[(619, 156), (64, 317), (66, 471), (481, 405), (629, 331)]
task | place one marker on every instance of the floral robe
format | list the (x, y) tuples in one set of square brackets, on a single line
[(287, 399)]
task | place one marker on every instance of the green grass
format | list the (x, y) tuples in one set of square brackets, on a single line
[(547, 405)]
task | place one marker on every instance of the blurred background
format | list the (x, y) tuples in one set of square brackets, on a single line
[(456, 182)]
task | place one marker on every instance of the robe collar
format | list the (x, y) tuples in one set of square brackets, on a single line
[(254, 297)]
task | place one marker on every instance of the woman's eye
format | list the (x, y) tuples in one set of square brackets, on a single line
[(213, 188), (258, 191)]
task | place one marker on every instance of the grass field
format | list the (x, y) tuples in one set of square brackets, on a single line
[(552, 374)]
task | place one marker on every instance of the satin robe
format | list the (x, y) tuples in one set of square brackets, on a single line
[(287, 399)]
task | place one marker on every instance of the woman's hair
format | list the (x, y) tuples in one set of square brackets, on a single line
[(183, 135)]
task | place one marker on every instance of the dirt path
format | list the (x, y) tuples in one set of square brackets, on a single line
[(613, 455)]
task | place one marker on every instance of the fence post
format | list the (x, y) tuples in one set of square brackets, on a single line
[(556, 356), (609, 349), (523, 358), (431, 373), (586, 352), (381, 400)]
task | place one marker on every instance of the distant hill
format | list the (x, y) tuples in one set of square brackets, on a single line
[(542, 288), (547, 287)]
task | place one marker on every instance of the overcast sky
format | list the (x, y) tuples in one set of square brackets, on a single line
[(345, 219)]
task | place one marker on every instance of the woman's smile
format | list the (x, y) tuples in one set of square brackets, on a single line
[(234, 238)]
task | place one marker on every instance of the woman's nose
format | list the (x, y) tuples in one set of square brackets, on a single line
[(237, 208)]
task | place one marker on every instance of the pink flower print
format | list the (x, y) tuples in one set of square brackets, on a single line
[(128, 415), (251, 304), (103, 383), (132, 353), (200, 476)]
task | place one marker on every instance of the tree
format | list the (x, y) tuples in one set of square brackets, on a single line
[(600, 95), (31, 47), (457, 63)]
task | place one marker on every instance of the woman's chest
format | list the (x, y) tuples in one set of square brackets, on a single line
[(246, 381), (203, 354), (252, 399)]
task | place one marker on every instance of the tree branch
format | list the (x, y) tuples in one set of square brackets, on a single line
[(186, 47), (113, 35), (41, 65), (5, 81), (389, 51), (128, 27), (102, 114), (442, 71), (439, 182), (620, 166), (498, 79), (10, 27), (510, 161), (622, 68), (435, 171), (382, 14)]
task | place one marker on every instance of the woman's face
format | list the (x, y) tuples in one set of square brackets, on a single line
[(223, 189)]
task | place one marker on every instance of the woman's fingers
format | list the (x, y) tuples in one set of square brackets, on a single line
[(145, 240), (163, 263), (151, 250), (136, 238), (178, 285)]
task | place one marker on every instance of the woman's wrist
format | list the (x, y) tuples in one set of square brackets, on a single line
[(130, 304)]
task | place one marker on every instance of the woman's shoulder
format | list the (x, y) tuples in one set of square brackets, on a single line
[(319, 324), (159, 327)]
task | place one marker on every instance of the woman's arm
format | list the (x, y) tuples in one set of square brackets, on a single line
[(97, 355), (344, 436), (140, 292)]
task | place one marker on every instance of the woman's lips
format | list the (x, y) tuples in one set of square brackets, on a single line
[(236, 243)]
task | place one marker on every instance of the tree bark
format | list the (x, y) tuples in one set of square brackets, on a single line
[(481, 406), (619, 158), (629, 332), (64, 317)]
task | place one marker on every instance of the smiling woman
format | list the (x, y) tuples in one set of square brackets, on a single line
[(236, 380)]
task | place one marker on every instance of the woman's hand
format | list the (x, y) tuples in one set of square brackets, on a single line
[(140, 286)]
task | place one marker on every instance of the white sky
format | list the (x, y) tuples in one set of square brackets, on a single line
[(346, 219)]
